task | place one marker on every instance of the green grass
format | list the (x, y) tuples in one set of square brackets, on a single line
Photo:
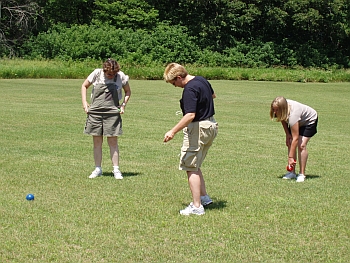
[(19, 69), (256, 216)]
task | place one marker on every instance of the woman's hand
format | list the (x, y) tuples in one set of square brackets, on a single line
[(169, 136), (291, 162), (122, 109), (86, 107)]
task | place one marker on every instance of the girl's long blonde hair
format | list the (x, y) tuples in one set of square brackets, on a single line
[(283, 109)]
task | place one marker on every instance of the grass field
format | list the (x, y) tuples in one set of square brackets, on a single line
[(256, 216)]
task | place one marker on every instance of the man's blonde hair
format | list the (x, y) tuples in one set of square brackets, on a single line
[(173, 70), (283, 109)]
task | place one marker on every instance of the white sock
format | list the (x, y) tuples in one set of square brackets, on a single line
[(116, 168), (99, 168)]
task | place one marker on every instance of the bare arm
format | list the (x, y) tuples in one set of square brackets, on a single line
[(127, 91), (286, 131), (294, 143), (86, 84), (185, 120)]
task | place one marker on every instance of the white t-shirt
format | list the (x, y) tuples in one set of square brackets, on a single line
[(302, 113), (98, 77)]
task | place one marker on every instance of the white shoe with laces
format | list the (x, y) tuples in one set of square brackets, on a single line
[(289, 175), (95, 173), (192, 210), (301, 178), (117, 175)]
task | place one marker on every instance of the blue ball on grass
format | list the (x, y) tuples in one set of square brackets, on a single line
[(30, 197)]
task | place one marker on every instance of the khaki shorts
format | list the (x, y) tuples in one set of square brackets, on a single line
[(198, 137), (103, 125)]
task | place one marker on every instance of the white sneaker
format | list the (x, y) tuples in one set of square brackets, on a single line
[(192, 210), (206, 200), (289, 175), (97, 172), (301, 178), (117, 175)]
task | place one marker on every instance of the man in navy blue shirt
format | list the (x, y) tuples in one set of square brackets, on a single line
[(199, 128)]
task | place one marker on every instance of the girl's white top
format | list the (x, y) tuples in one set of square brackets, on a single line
[(120, 80), (301, 113)]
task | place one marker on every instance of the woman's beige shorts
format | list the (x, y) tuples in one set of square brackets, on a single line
[(198, 137), (103, 125)]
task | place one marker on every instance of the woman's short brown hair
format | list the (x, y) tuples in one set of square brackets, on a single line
[(111, 65)]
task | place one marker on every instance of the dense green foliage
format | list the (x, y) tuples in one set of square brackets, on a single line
[(81, 42), (260, 33)]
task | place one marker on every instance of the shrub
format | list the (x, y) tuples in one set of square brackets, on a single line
[(81, 42), (169, 44)]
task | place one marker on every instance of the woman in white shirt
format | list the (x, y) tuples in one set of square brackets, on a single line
[(104, 112), (299, 122)]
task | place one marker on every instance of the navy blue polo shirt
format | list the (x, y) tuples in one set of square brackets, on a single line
[(197, 97)]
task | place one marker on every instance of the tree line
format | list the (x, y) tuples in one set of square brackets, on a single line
[(247, 33)]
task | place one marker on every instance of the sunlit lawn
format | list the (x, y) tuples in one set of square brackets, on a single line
[(256, 216)]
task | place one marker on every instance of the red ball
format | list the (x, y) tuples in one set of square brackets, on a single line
[(289, 168)]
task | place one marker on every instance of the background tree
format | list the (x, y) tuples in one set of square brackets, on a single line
[(66, 12), (217, 24), (134, 14), (228, 33), (17, 20)]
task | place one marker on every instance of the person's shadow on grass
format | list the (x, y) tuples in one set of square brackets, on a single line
[(124, 174), (217, 204), (308, 176)]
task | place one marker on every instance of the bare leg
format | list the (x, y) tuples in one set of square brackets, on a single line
[(303, 153), (97, 140), (203, 188), (114, 150), (194, 181)]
